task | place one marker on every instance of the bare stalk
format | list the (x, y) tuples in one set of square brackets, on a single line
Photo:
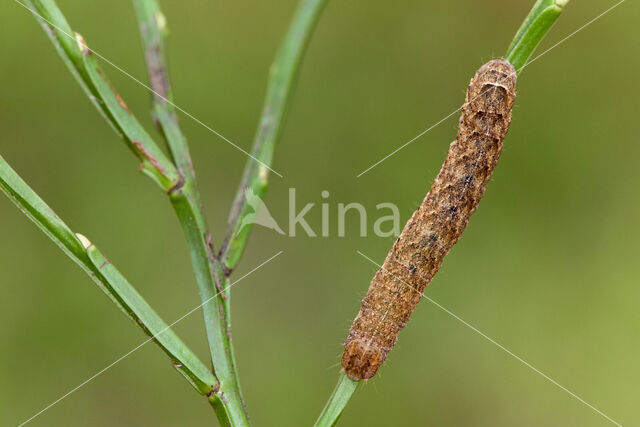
[(282, 77), (110, 281), (210, 275)]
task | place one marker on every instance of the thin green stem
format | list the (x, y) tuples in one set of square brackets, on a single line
[(110, 281), (185, 198), (83, 65), (178, 182), (153, 31), (338, 401), (538, 22), (280, 87), (212, 292)]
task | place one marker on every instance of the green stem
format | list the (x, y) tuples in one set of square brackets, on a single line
[(83, 65), (540, 19), (153, 31), (110, 281), (210, 276), (212, 293), (338, 401), (281, 81), (178, 182)]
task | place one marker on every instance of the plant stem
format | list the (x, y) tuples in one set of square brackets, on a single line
[(178, 182), (190, 212), (83, 65), (153, 31), (338, 401), (212, 290), (281, 81), (538, 22), (110, 281)]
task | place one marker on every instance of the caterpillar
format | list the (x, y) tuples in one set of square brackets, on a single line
[(436, 226)]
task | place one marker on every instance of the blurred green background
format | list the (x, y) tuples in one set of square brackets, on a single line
[(548, 266)]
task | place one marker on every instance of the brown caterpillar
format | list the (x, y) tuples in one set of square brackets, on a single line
[(437, 225)]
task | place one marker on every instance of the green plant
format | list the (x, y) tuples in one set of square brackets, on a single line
[(174, 174), (176, 177)]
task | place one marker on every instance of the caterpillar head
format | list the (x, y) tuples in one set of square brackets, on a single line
[(361, 360)]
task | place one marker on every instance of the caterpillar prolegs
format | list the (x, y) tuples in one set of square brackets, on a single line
[(437, 225)]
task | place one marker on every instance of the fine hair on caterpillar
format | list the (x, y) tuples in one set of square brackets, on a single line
[(436, 226)]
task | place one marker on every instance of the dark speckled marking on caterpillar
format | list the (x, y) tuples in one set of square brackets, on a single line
[(437, 225)]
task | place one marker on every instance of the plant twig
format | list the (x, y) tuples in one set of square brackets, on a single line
[(535, 26), (337, 402), (178, 182), (186, 201), (538, 22), (212, 286), (281, 80), (78, 57), (153, 31), (109, 280)]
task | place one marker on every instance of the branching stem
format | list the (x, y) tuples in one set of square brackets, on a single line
[(109, 280), (212, 282)]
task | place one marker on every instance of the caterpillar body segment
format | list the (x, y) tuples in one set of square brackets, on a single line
[(438, 223)]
